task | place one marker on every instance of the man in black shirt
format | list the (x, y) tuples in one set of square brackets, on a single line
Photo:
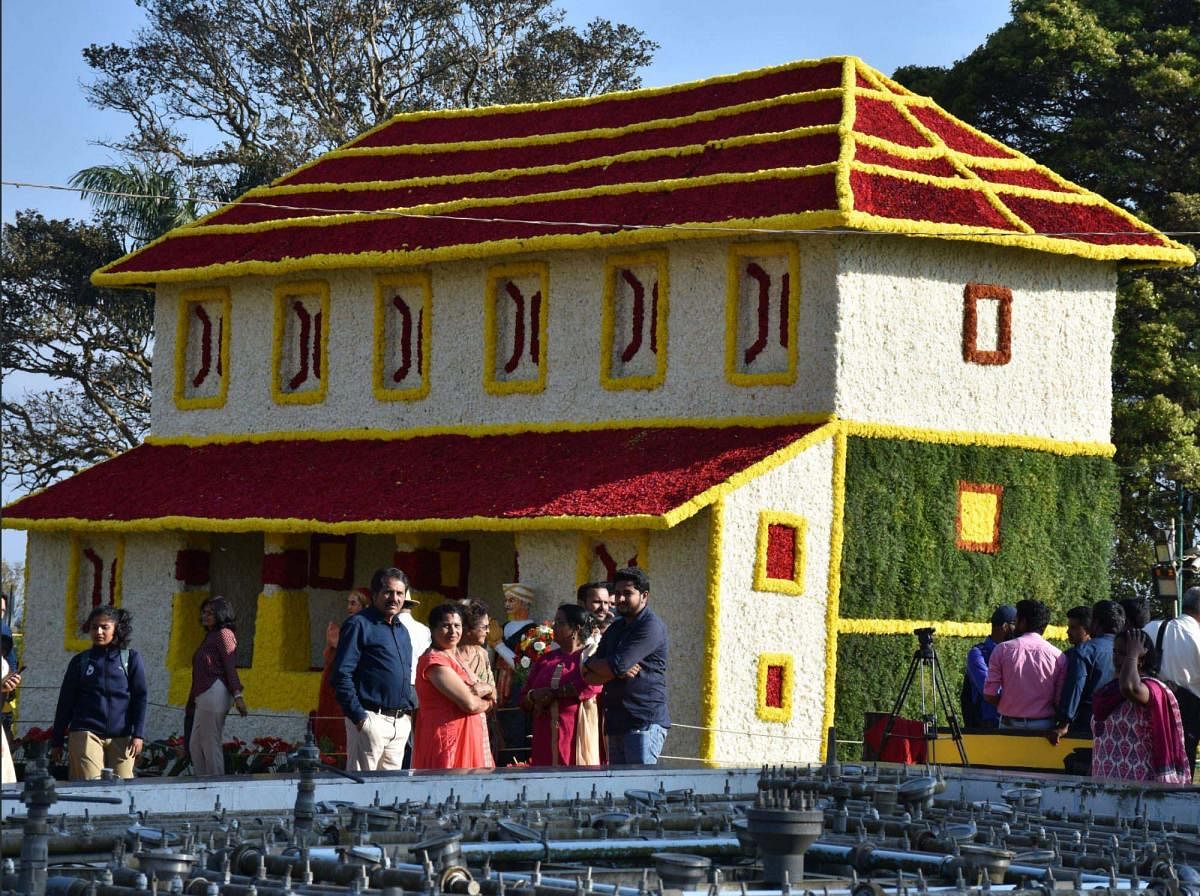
[(631, 663)]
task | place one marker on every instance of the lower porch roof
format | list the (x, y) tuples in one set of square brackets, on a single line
[(635, 477)]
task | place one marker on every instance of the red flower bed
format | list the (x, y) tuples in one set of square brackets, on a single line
[(794, 152), (605, 112), (787, 114), (655, 208), (1086, 223), (1028, 178), (892, 197), (610, 473), (956, 135)]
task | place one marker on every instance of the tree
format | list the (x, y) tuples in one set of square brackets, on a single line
[(1105, 92), (268, 84), (93, 344)]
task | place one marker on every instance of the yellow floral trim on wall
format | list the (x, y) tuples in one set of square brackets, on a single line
[(283, 292), (710, 668), (842, 187), (496, 276), (73, 640), (187, 299), (946, 628), (186, 635), (489, 429), (764, 709), (834, 583), (738, 252), (422, 283), (614, 265), (763, 580), (990, 440)]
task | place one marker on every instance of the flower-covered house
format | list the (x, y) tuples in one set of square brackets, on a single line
[(825, 361)]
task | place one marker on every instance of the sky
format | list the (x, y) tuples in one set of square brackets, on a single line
[(48, 131)]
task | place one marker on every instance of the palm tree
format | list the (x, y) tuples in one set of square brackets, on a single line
[(143, 203)]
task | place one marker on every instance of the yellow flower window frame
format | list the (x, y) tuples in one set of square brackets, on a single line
[(762, 580), (613, 265), (283, 292), (496, 275), (764, 710), (422, 282), (740, 251), (187, 299)]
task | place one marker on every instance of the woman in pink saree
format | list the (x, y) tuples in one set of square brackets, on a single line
[(1138, 735), (555, 693)]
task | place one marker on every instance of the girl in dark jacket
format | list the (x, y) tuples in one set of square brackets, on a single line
[(101, 714)]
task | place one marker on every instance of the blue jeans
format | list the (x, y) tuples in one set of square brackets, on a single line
[(641, 746)]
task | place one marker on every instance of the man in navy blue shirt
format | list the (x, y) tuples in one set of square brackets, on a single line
[(631, 663), (371, 677), (1089, 666)]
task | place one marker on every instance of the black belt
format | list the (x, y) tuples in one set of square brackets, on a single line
[(387, 710), (1020, 719)]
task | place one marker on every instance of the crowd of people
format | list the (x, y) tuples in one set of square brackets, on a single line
[(1130, 684), (408, 695), (595, 691)]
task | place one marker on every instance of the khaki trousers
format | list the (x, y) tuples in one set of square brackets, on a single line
[(379, 746), (205, 744), (88, 753)]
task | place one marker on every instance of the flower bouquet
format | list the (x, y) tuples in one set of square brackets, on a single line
[(536, 641)]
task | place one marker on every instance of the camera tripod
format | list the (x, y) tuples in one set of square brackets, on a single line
[(926, 661)]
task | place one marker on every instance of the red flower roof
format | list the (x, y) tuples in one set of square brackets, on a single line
[(646, 474), (809, 145)]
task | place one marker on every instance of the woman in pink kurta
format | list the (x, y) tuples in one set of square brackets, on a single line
[(556, 689), (447, 732), (1138, 734)]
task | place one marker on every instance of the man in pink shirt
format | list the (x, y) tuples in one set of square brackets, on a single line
[(1025, 673)]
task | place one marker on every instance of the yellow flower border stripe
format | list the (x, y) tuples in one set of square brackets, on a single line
[(283, 292), (762, 580), (782, 713), (495, 276), (188, 298), (613, 265), (738, 251), (845, 129), (946, 628), (990, 440), (710, 671), (834, 586), (493, 429), (423, 282)]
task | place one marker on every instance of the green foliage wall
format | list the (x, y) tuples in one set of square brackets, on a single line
[(899, 559)]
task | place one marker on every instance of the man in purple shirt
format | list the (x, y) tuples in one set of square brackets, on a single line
[(1026, 672), (977, 712)]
